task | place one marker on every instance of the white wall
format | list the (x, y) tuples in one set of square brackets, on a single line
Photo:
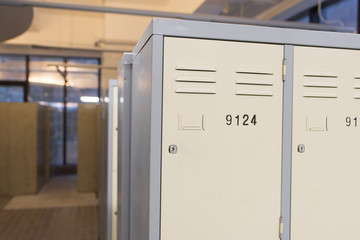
[(59, 27)]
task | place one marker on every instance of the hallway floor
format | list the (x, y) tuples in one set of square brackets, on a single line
[(56, 213)]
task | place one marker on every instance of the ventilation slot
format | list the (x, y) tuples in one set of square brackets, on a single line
[(254, 82), (254, 72), (321, 85), (193, 79), (320, 75), (357, 88), (195, 68), (254, 93), (194, 90), (320, 95), (201, 80)]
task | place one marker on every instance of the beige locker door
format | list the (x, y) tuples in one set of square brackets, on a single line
[(222, 108), (325, 178)]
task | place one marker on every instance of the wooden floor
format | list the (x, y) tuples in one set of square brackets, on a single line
[(60, 223)]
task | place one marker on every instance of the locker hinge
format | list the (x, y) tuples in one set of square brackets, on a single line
[(284, 70), (280, 228)]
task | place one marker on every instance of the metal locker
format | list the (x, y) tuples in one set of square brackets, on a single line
[(240, 132), (124, 125), (216, 103), (325, 175), (109, 167), (222, 105), (112, 177)]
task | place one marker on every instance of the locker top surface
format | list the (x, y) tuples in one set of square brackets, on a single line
[(246, 33), (125, 60)]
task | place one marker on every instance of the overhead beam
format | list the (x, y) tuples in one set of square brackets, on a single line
[(195, 17)]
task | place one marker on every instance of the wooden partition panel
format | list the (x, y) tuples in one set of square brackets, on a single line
[(4, 146), (88, 147), (22, 147)]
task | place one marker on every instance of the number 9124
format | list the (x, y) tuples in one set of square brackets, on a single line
[(244, 120)]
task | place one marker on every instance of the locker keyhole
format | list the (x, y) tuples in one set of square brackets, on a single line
[(173, 149), (301, 148)]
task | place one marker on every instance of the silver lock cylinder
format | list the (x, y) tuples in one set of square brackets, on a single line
[(173, 149), (301, 148)]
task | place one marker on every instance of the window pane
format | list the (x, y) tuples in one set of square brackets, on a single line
[(46, 83), (82, 81), (92, 62), (345, 11), (45, 64), (13, 68), (46, 78), (43, 71), (11, 94), (71, 133), (45, 93)]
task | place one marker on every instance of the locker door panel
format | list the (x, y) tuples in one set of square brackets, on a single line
[(325, 177), (222, 113)]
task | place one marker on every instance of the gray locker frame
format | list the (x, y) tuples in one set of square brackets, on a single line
[(150, 47), (124, 125), (286, 154)]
